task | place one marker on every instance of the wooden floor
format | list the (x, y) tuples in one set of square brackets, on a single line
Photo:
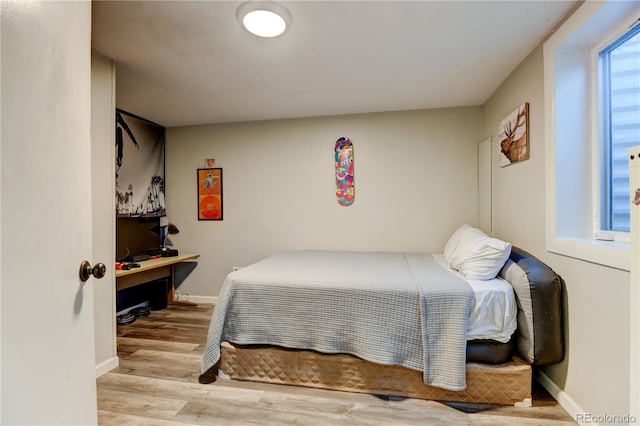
[(157, 384)]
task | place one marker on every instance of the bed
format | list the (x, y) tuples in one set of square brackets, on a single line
[(398, 324)]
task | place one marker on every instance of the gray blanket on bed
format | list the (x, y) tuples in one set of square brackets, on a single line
[(387, 308)]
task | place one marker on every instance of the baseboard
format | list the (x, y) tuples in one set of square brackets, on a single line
[(186, 297), (106, 366), (563, 398)]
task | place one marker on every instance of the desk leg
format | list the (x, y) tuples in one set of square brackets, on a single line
[(171, 296)]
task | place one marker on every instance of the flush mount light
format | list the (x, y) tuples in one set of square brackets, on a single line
[(264, 18)]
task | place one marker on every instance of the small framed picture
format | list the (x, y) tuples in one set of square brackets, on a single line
[(209, 163), (513, 137), (210, 205)]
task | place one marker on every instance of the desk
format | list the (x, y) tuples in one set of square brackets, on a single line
[(151, 270)]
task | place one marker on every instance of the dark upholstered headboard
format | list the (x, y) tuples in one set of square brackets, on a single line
[(540, 333)]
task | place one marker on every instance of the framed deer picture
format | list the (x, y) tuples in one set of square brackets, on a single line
[(513, 135)]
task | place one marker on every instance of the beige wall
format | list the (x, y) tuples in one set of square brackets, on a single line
[(595, 373), (416, 182)]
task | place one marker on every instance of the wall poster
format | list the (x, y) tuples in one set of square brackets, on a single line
[(345, 185), (139, 167), (210, 194)]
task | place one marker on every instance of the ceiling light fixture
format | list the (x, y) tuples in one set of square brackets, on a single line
[(264, 18)]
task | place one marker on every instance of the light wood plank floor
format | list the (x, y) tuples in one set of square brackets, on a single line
[(157, 384)]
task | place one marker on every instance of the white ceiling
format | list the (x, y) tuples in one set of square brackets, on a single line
[(189, 62)]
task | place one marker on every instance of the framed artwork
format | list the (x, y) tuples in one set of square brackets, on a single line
[(513, 135), (139, 167), (210, 205)]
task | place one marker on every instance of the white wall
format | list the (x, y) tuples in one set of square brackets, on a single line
[(103, 207), (415, 179), (594, 377)]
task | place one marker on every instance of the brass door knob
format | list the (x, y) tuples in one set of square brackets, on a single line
[(86, 270)]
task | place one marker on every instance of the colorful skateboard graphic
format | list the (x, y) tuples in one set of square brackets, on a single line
[(345, 189)]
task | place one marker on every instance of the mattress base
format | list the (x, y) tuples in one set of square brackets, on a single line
[(488, 352), (502, 384)]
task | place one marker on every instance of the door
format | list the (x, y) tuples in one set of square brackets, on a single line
[(485, 221), (48, 362)]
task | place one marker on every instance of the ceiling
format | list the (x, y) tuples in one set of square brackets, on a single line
[(190, 62)]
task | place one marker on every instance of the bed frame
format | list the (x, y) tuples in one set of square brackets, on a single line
[(538, 341), (502, 384)]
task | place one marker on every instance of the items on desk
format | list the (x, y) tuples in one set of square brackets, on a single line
[(141, 258), (169, 252), (164, 229), (125, 266), (163, 252)]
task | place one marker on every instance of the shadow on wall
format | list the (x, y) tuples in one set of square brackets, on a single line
[(559, 371), (182, 271)]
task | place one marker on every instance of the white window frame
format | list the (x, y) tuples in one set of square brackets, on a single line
[(597, 131), (571, 88)]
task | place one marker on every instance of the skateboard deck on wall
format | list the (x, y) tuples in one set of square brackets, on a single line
[(345, 187)]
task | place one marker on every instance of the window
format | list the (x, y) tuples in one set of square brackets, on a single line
[(592, 93), (619, 101)]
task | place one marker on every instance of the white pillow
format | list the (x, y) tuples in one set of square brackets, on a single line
[(452, 243), (476, 255)]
